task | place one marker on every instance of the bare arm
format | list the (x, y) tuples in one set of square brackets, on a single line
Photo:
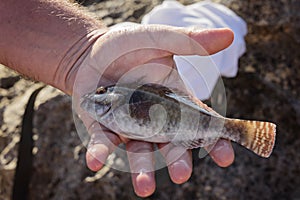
[(43, 39)]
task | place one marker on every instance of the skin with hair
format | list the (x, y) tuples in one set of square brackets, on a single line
[(52, 41)]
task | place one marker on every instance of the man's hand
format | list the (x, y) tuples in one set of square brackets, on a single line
[(120, 55)]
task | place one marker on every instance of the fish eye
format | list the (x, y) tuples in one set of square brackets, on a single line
[(100, 90)]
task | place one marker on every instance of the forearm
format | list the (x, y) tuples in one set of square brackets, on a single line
[(44, 39)]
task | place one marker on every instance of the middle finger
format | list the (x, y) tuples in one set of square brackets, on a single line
[(141, 161), (179, 161)]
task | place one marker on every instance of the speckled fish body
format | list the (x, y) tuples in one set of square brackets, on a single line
[(154, 113)]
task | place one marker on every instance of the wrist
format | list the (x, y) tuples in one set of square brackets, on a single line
[(66, 72)]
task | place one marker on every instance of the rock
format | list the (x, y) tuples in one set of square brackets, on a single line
[(11, 114), (139, 12), (6, 183), (8, 82), (120, 11), (59, 164)]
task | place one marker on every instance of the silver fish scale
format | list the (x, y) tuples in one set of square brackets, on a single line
[(192, 129), (197, 129)]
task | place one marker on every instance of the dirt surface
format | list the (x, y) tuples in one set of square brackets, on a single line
[(266, 88)]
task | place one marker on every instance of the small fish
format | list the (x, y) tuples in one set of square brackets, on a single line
[(154, 113)]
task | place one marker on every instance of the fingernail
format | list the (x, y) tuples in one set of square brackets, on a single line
[(145, 184), (96, 157), (180, 171), (92, 162), (92, 150), (223, 153)]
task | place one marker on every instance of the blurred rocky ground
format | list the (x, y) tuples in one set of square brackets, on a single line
[(266, 88)]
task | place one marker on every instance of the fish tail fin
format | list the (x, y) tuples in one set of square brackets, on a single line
[(256, 136)]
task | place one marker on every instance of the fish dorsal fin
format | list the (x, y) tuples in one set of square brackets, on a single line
[(187, 100)]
